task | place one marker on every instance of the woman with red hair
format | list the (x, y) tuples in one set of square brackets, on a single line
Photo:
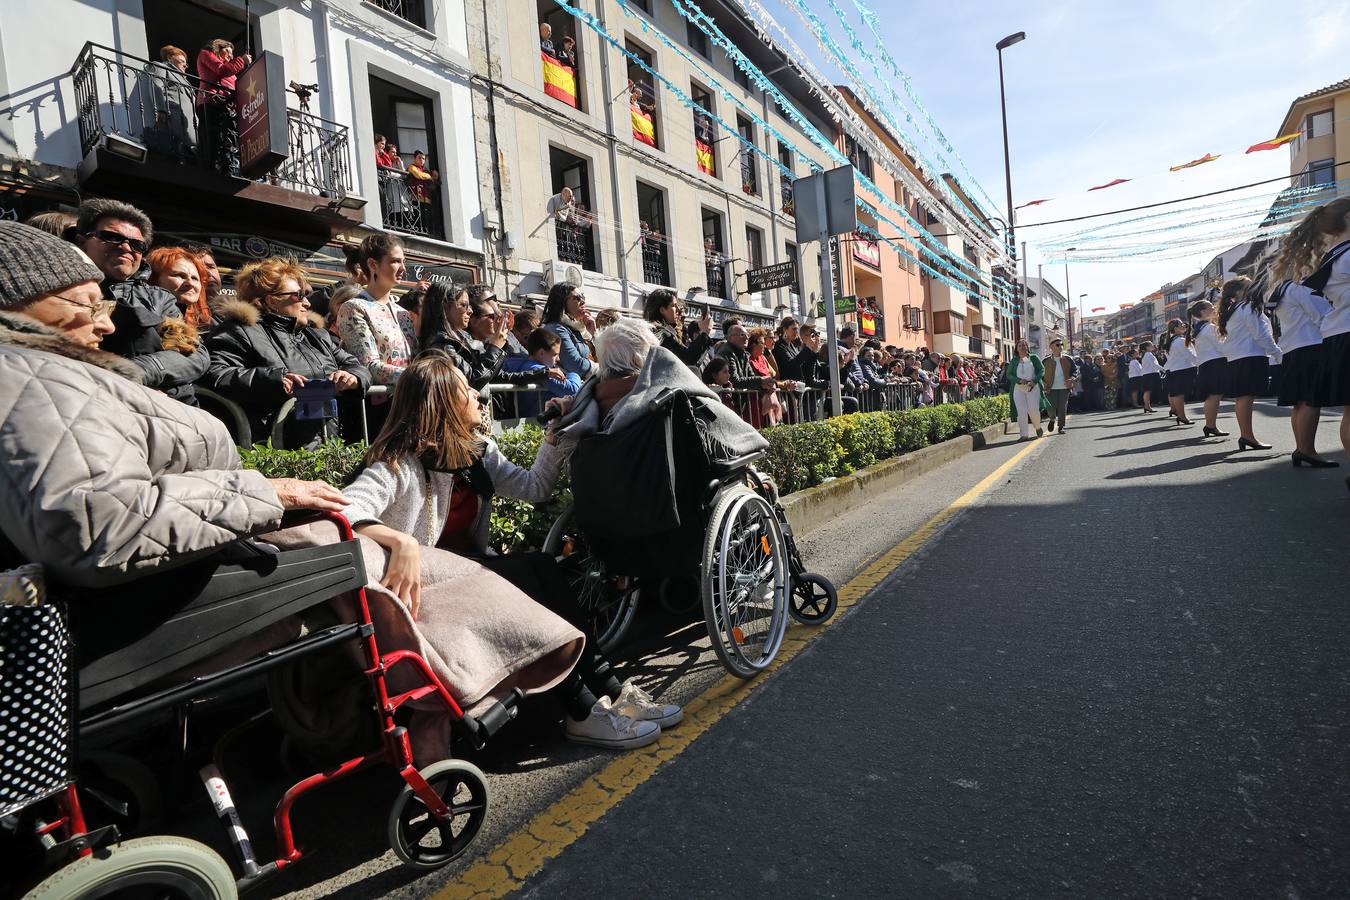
[(182, 274)]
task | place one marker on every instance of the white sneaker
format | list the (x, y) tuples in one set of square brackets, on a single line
[(639, 705), (606, 728)]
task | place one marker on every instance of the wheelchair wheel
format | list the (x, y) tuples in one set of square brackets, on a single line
[(813, 598), (421, 841), (160, 866), (610, 601), (745, 581)]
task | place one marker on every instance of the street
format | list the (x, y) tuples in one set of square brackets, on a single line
[(1120, 670)]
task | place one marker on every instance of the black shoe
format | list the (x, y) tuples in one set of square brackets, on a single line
[(1244, 444), (1214, 432), (1185, 422), (1301, 459)]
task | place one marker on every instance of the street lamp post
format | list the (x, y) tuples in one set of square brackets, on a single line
[(1007, 162), (1068, 296)]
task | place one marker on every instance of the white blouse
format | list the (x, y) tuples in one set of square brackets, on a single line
[(1249, 334), (1136, 368), (1337, 292), (1301, 313), (1025, 370), (1206, 343), (1179, 356), (1149, 365)]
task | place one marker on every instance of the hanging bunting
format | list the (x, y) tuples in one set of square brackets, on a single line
[(1274, 143), (1035, 203), (1102, 187), (1208, 157), (1098, 309)]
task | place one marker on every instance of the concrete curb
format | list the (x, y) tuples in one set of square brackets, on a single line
[(815, 506)]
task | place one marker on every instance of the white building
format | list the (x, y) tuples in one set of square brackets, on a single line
[(1047, 315), (85, 120)]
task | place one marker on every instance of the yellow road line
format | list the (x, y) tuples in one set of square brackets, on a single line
[(554, 829)]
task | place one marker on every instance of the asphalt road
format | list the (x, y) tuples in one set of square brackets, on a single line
[(1125, 673), (529, 765)]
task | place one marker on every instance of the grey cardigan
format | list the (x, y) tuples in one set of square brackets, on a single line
[(415, 502)]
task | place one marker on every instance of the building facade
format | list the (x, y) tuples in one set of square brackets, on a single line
[(1322, 148), (1047, 315), (86, 121)]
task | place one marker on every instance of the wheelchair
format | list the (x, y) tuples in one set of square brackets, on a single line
[(89, 830), (684, 507)]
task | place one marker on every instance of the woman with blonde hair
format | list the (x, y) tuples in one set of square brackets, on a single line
[(1326, 230), (268, 344)]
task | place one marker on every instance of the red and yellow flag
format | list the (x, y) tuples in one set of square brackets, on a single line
[(1035, 203), (1099, 309), (867, 324), (705, 157), (644, 129), (1273, 143), (1208, 157), (560, 82), (1102, 187)]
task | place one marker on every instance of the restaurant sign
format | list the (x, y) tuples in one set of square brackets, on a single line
[(260, 101), (767, 278)]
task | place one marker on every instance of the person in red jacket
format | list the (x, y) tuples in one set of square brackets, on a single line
[(218, 67)]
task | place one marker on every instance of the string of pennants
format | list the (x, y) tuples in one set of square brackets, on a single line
[(1271, 144)]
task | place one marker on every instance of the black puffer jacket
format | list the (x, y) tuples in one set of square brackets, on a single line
[(140, 313), (250, 353), (690, 354), (481, 367)]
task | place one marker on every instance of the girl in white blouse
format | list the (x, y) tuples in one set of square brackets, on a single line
[(1249, 344), (1180, 367), (1150, 375), (1211, 374)]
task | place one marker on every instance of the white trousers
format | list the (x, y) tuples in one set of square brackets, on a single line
[(1028, 406)]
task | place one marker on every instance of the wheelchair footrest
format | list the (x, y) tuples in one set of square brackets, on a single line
[(481, 728)]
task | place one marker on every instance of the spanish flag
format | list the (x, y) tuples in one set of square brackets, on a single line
[(1272, 144), (705, 157), (1208, 157), (644, 129), (1109, 184), (560, 82), (867, 324)]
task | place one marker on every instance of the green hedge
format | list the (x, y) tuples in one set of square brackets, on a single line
[(799, 456)]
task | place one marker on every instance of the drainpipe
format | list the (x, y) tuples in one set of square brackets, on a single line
[(611, 142), (496, 155)]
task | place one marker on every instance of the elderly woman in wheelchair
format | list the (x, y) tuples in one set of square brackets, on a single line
[(691, 502), (139, 552)]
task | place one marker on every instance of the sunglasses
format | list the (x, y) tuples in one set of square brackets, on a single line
[(292, 295), (99, 308), (113, 239)]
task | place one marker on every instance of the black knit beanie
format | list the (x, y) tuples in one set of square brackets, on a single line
[(33, 262)]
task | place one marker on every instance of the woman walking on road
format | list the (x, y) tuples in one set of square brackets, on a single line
[(1136, 379), (1150, 375), (1301, 312), (1328, 225), (1211, 374), (1248, 344), (1181, 365), (1025, 375)]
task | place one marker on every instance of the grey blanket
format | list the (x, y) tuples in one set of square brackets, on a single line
[(661, 372)]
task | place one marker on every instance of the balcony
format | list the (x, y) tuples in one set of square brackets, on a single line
[(716, 270), (142, 135), (789, 206), (409, 206), (655, 268), (576, 244), (749, 174)]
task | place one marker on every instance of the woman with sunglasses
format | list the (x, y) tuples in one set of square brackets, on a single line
[(269, 345), (566, 315), (465, 323)]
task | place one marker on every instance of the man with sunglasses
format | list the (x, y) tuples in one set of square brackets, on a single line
[(115, 236)]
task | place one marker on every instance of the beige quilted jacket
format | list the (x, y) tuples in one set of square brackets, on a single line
[(102, 479)]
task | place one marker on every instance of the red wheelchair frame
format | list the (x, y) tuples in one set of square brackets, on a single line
[(66, 835)]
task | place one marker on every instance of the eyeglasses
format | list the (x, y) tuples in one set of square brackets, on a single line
[(96, 309), (113, 239)]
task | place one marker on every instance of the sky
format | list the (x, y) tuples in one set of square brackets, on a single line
[(1106, 90)]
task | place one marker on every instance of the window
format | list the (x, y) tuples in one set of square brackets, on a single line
[(749, 165), (714, 258), (861, 159), (559, 54), (785, 158), (654, 238), (705, 130), (743, 79), (754, 246), (1317, 124), (1318, 174), (405, 120), (698, 41), (574, 223), (644, 5), (414, 12), (912, 317), (642, 96)]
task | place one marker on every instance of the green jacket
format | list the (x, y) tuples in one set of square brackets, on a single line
[(1011, 377)]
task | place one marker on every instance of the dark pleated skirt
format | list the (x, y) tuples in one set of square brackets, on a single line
[(1334, 362), (1212, 378), (1152, 383), (1248, 377), (1180, 382), (1300, 376)]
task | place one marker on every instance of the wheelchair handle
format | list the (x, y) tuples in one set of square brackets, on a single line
[(293, 517)]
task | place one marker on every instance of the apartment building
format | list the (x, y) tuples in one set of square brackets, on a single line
[(1047, 315), (621, 165), (85, 119), (1318, 155)]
